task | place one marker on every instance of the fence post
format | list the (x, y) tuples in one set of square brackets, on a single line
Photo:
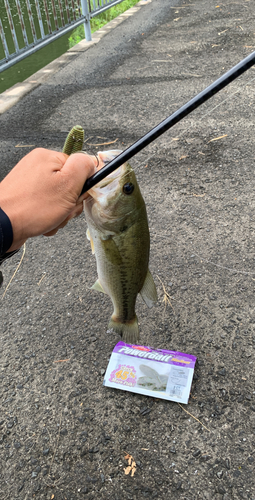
[(85, 11)]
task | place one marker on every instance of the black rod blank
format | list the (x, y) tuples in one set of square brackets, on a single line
[(202, 97)]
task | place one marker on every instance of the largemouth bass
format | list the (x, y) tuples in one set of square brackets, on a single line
[(118, 231)]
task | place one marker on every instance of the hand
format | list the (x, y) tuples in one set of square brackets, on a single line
[(42, 192)]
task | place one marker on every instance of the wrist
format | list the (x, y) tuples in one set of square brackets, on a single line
[(13, 237), (6, 232)]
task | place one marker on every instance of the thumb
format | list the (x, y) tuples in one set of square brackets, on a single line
[(79, 167)]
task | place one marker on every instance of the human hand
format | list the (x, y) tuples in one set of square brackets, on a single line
[(42, 192)]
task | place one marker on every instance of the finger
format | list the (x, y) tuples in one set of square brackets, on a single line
[(54, 231), (79, 167), (76, 211), (82, 198)]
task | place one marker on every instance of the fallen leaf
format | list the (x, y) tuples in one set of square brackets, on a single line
[(183, 156), (132, 472), (25, 146), (199, 195), (146, 449), (217, 138), (52, 496), (177, 19), (146, 166), (130, 460), (200, 152), (127, 470)]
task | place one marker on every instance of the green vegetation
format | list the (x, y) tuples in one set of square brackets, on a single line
[(97, 22)]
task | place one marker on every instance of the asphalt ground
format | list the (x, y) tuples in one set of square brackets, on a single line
[(64, 435)]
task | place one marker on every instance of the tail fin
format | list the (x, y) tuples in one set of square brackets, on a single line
[(129, 330)]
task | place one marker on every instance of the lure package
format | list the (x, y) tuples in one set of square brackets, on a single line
[(152, 372)]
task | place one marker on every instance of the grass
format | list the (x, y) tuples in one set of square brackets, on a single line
[(97, 22)]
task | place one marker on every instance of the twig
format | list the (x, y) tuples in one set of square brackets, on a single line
[(193, 417), (217, 138), (166, 298), (43, 276), (103, 143), (24, 251)]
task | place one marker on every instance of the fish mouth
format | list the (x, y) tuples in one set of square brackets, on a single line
[(111, 182)]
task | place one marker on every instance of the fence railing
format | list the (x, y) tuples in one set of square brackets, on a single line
[(28, 25)]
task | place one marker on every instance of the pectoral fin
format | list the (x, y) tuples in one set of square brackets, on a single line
[(91, 241), (98, 287), (149, 292)]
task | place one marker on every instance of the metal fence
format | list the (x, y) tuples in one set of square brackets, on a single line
[(28, 25)]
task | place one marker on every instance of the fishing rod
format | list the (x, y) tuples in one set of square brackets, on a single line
[(166, 124)]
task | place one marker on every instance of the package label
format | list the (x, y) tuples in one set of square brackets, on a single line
[(153, 372)]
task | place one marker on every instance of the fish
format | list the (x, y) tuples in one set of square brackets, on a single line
[(118, 231)]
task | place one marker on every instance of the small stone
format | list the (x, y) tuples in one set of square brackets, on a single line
[(17, 445), (220, 474), (237, 473), (172, 449), (85, 490), (37, 486), (227, 462), (221, 490), (102, 478), (34, 474), (46, 451), (222, 372), (196, 453), (250, 460), (102, 371), (145, 411)]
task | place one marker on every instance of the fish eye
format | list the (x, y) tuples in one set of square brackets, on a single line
[(128, 188)]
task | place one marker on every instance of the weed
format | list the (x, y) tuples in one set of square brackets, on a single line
[(97, 22)]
